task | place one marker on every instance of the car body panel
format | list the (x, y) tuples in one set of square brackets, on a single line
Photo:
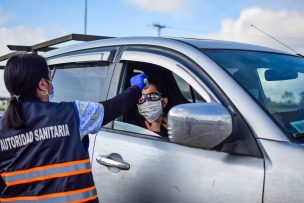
[(284, 171), (165, 172), (159, 41), (220, 44)]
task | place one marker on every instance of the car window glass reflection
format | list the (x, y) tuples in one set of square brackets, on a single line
[(79, 83)]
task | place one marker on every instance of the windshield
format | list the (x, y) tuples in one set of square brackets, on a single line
[(275, 81)]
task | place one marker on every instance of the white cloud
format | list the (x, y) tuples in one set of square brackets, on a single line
[(283, 25), (164, 6), (19, 35)]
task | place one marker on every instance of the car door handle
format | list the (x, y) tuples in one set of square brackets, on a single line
[(107, 161)]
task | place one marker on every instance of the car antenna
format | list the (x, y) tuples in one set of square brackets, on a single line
[(276, 40)]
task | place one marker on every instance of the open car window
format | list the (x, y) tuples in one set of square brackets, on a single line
[(170, 85)]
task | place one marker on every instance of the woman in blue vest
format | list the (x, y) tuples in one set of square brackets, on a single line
[(42, 158)]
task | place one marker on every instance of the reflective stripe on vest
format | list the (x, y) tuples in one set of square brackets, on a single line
[(74, 196), (47, 172)]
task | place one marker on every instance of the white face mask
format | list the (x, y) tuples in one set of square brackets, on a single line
[(151, 110)]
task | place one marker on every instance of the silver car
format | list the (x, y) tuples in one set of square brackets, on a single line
[(235, 120)]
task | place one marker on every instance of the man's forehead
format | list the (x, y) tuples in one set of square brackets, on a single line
[(150, 89)]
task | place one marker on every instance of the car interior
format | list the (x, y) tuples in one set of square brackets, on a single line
[(172, 86)]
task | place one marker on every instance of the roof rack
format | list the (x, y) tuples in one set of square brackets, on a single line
[(47, 45)]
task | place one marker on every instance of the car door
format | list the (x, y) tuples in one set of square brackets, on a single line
[(132, 164), (83, 76)]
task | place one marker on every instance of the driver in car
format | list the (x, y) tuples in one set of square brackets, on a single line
[(151, 108)]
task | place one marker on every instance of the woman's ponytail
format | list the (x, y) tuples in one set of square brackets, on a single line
[(12, 117)]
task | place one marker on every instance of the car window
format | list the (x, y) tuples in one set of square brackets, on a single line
[(80, 82), (173, 89), (274, 80)]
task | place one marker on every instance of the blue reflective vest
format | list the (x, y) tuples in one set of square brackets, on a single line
[(46, 161)]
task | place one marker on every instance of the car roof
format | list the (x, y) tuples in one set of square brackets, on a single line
[(221, 44), (162, 42)]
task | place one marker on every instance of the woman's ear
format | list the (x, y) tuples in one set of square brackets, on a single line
[(42, 85), (42, 90), (164, 102)]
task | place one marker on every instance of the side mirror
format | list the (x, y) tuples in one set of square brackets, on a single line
[(202, 125)]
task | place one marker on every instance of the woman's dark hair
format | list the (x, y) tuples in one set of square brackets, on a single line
[(22, 74)]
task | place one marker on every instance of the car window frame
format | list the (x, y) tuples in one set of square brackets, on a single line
[(181, 70), (86, 54), (120, 74)]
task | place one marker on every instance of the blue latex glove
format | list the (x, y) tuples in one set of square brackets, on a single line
[(138, 80)]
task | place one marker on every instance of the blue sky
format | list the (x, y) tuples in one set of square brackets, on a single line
[(27, 22), (120, 18), (115, 18), (32, 21)]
